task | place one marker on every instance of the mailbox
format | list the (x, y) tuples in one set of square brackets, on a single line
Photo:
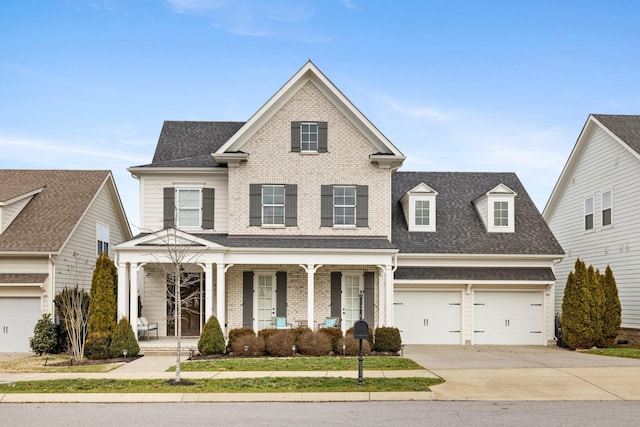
[(361, 330)]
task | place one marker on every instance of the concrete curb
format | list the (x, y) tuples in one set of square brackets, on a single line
[(212, 397)]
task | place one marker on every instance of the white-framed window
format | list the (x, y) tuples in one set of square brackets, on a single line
[(588, 213), (188, 204), (501, 213), (309, 136), (419, 206), (273, 204), (344, 205), (606, 203), (103, 238)]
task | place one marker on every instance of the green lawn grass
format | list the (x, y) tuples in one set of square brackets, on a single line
[(632, 353), (41, 364), (299, 364), (239, 385)]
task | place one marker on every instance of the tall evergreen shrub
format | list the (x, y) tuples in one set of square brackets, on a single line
[(123, 338), (577, 330), (612, 309), (212, 339), (102, 310), (44, 337)]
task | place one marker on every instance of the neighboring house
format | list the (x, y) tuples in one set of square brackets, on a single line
[(300, 213), (53, 224), (593, 209)]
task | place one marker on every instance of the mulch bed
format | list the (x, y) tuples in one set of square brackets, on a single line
[(87, 362)]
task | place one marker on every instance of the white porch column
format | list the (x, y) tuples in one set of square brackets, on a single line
[(133, 297), (221, 308), (388, 275), (122, 290), (208, 291), (311, 271), (382, 296)]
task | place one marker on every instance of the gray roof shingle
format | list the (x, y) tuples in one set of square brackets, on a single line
[(459, 229), (48, 219), (475, 273), (626, 127), (190, 144)]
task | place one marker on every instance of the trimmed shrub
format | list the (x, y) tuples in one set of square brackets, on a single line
[(353, 346), (212, 339), (124, 338), (335, 335), (387, 339), (611, 313), (255, 346), (298, 332), (237, 333), (44, 337), (97, 346), (314, 343), (266, 333), (279, 342), (102, 308)]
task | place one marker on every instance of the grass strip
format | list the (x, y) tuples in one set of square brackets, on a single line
[(237, 385), (298, 364), (628, 352), (37, 364)]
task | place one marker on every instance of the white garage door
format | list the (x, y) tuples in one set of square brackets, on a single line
[(18, 317), (511, 318), (428, 317)]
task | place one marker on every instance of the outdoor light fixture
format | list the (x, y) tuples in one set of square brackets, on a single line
[(46, 358), (293, 349), (191, 353), (344, 349), (246, 349), (71, 359), (124, 353)]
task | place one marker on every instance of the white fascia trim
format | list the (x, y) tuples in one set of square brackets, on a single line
[(137, 171), (20, 197), (462, 282)]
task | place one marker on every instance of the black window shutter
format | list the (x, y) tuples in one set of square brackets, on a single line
[(281, 294), (255, 204), (169, 207), (295, 137), (247, 299), (322, 137), (362, 206), (336, 290), (369, 298), (326, 206), (290, 205), (208, 199)]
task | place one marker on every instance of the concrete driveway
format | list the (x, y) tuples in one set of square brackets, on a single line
[(499, 373)]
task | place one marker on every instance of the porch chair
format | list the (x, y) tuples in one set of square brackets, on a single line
[(144, 327), (330, 322), (281, 323)]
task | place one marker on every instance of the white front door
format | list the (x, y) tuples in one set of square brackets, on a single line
[(512, 318), (352, 285), (265, 304), (428, 317)]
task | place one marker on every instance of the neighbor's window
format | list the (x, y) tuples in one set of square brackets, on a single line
[(188, 204), (588, 213), (501, 214), (102, 236), (421, 212), (309, 137), (273, 204), (606, 208), (344, 205)]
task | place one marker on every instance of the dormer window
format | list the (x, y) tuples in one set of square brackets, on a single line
[(497, 209), (419, 205)]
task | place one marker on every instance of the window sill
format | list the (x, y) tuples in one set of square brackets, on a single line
[(273, 226), (344, 227)]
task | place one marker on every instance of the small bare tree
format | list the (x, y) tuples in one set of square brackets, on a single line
[(178, 259), (73, 305)]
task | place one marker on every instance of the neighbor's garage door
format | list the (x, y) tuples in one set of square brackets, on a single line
[(428, 317), (18, 317), (508, 318)]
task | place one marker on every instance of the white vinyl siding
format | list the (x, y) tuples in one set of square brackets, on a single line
[(603, 165)]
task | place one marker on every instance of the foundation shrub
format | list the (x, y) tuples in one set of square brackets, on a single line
[(387, 339), (350, 332), (266, 333), (123, 338), (335, 335), (279, 342), (237, 333), (44, 335), (352, 346), (314, 344), (255, 346), (298, 332), (212, 339)]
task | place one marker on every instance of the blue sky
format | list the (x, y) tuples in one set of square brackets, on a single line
[(459, 85)]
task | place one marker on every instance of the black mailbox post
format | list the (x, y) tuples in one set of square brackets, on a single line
[(360, 332)]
